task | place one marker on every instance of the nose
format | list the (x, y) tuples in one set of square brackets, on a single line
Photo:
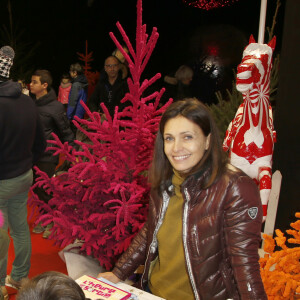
[(177, 145)]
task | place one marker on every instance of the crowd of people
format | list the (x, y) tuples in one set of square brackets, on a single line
[(29, 116), (202, 234)]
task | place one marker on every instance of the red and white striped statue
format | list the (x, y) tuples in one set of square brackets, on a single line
[(250, 136)]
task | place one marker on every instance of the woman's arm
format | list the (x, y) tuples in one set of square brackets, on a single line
[(133, 257), (243, 219)]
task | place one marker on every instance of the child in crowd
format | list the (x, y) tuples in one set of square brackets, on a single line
[(64, 89)]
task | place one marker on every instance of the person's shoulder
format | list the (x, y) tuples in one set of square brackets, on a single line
[(28, 99), (238, 180), (58, 105), (75, 84), (10, 89), (55, 106), (233, 172), (121, 78)]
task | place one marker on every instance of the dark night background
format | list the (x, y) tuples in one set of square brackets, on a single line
[(49, 34), (59, 29)]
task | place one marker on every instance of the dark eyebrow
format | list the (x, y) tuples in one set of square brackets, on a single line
[(184, 132)]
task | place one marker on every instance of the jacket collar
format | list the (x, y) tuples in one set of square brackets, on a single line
[(49, 97), (194, 183)]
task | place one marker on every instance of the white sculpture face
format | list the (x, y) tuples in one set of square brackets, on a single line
[(256, 60)]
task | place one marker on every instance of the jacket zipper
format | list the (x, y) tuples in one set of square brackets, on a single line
[(184, 237), (153, 244)]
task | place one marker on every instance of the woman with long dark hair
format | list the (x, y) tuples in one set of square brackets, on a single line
[(202, 233)]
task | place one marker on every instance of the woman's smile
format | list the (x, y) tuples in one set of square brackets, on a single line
[(184, 143)]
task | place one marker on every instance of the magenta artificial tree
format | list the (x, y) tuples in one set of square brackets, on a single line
[(103, 198), (92, 76)]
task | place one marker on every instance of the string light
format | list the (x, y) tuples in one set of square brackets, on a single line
[(209, 4)]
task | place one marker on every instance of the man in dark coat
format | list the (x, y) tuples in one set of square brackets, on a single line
[(110, 89), (54, 119), (22, 142)]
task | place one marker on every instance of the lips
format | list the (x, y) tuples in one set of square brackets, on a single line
[(181, 157)]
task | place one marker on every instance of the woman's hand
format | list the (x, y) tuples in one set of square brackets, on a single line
[(109, 276)]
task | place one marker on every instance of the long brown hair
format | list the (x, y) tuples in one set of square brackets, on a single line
[(214, 159)]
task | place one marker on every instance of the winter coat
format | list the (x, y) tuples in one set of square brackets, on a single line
[(63, 92), (78, 93), (22, 140), (221, 237), (54, 120), (102, 90)]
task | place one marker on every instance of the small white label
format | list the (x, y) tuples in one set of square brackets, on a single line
[(252, 212)]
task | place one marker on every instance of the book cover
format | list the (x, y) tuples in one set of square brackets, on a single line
[(95, 289), (136, 294)]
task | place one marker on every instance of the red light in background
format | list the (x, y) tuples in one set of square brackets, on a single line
[(209, 4), (213, 50)]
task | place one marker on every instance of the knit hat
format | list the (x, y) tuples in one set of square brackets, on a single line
[(7, 55)]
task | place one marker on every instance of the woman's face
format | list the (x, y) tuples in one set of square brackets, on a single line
[(184, 143)]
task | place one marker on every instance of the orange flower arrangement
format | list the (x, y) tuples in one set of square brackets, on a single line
[(280, 270)]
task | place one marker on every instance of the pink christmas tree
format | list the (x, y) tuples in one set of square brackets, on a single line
[(92, 76), (103, 198)]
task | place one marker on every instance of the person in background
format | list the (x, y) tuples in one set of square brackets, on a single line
[(178, 87), (123, 62), (51, 286), (22, 143), (202, 234), (4, 239), (111, 87), (78, 93), (54, 120), (25, 90), (4, 244), (64, 90)]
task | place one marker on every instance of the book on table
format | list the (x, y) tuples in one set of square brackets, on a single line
[(100, 289), (96, 289)]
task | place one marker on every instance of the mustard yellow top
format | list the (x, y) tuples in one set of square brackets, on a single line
[(169, 278)]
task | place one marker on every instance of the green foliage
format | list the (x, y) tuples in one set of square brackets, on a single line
[(274, 78), (224, 111)]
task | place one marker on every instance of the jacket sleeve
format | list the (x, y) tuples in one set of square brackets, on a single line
[(80, 111), (94, 100), (62, 124), (134, 256), (243, 220), (59, 94), (39, 144), (73, 100)]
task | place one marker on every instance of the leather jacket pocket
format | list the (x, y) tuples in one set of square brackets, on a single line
[(228, 282)]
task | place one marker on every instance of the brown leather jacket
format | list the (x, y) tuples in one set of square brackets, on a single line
[(221, 236)]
